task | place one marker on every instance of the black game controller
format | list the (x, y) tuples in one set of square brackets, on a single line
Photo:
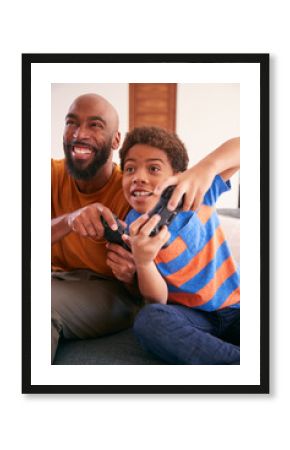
[(161, 209), (114, 236)]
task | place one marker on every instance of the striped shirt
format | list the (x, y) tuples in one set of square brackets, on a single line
[(196, 263)]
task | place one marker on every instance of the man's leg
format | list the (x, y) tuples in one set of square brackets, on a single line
[(181, 335), (85, 306)]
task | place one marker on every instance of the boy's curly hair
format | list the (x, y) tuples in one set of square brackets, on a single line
[(160, 138)]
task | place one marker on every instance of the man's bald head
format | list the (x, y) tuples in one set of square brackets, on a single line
[(91, 102)]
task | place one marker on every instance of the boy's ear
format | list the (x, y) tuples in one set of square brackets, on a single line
[(116, 140)]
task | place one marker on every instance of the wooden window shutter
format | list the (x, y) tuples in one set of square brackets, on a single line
[(152, 104)]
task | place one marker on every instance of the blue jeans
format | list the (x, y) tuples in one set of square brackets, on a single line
[(182, 335)]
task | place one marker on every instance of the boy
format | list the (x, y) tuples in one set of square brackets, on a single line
[(185, 273)]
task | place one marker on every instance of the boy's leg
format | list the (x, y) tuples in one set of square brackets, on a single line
[(85, 306), (230, 319), (230, 326), (180, 335)]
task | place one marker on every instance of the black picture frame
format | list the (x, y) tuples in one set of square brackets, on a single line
[(263, 61)]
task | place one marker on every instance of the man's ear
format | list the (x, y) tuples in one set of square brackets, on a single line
[(116, 140)]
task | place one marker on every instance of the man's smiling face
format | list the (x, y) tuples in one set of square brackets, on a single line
[(144, 168), (90, 128)]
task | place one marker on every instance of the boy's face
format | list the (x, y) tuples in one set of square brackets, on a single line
[(144, 168)]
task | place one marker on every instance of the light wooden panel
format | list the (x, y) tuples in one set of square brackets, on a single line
[(152, 104)]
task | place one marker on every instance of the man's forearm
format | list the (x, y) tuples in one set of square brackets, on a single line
[(225, 160), (59, 228)]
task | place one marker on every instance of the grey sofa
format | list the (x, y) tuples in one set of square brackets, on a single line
[(123, 347)]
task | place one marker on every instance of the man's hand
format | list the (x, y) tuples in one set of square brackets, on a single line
[(121, 262), (87, 221), (194, 183)]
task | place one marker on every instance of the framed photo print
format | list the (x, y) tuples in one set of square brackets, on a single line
[(145, 223)]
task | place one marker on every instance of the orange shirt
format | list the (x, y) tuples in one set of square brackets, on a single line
[(73, 251)]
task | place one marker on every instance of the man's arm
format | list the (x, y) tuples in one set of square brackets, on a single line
[(196, 181), (59, 228), (225, 160)]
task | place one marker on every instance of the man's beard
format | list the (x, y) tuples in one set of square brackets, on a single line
[(101, 156)]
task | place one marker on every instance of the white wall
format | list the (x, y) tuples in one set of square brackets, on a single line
[(207, 115)]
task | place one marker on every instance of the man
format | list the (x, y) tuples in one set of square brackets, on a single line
[(87, 300)]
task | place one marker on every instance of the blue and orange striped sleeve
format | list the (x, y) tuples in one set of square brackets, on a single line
[(218, 187)]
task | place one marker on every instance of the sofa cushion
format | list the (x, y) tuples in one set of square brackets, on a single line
[(119, 348)]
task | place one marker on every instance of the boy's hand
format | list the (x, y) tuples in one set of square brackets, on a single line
[(194, 183), (145, 248)]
